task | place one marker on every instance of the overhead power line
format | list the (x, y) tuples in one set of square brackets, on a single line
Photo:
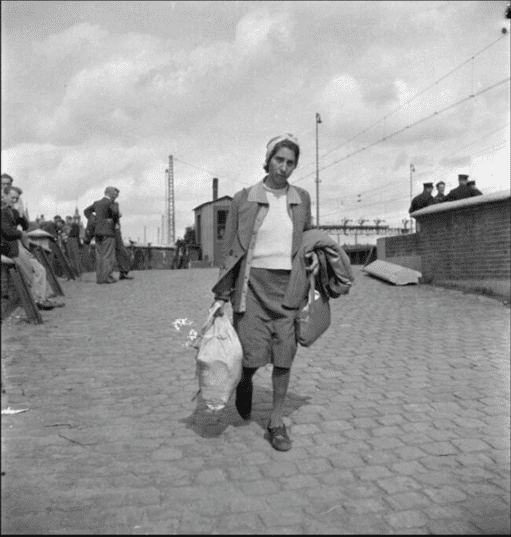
[(411, 99), (386, 185), (357, 205), (422, 120)]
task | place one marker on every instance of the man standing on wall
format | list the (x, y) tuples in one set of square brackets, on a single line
[(424, 199), (475, 191), (440, 196), (106, 214), (122, 255), (462, 191)]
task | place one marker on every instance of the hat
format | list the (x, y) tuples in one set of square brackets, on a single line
[(109, 190), (274, 141), (428, 185), (462, 177), (440, 183)]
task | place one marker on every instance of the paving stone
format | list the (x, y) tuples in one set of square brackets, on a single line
[(207, 477), (379, 457), (439, 448), (440, 462), (335, 425), (408, 468), (391, 419), (452, 527), (363, 505), (494, 525), (372, 473), (346, 460), (356, 434), (393, 485), (445, 495), (315, 466), (408, 500), (408, 453), (337, 477), (249, 524), (404, 520), (471, 444), (385, 443), (298, 482)]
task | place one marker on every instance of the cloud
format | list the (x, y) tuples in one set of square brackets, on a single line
[(111, 94)]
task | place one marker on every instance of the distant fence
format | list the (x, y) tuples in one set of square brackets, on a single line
[(165, 257), (142, 258)]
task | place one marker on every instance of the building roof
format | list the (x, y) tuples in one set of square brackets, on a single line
[(212, 202)]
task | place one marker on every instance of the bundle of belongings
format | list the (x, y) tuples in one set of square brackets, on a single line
[(334, 279)]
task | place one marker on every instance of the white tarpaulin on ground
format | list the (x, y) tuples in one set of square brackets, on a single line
[(392, 273)]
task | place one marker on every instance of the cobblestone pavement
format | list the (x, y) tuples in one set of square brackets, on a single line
[(399, 418)]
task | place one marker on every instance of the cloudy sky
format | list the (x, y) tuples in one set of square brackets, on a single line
[(101, 93)]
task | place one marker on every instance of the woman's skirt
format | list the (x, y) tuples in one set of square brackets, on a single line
[(266, 329)]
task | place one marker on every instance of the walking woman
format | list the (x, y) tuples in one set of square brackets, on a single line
[(263, 233)]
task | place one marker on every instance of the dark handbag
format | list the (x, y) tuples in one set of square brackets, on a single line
[(314, 318)]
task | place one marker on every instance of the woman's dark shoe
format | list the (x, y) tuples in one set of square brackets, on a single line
[(279, 438), (244, 399), (45, 305)]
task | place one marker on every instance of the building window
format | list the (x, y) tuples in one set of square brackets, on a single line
[(221, 221), (198, 230)]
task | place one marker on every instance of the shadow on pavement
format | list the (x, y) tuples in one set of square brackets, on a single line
[(210, 424)]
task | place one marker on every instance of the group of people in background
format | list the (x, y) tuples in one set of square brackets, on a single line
[(69, 234), (16, 245), (465, 189)]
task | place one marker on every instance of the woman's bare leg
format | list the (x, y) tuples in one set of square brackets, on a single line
[(280, 380)]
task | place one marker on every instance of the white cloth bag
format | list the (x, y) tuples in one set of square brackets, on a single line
[(218, 361)]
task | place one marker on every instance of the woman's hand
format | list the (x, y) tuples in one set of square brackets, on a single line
[(312, 262), (217, 308)]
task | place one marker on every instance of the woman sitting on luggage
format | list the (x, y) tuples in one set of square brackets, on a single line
[(263, 233)]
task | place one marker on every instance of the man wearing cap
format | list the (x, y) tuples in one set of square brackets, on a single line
[(462, 191), (424, 199), (472, 185), (440, 196), (106, 217)]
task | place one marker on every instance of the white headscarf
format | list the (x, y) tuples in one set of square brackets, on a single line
[(274, 141)]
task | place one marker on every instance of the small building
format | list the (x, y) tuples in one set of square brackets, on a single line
[(210, 220)]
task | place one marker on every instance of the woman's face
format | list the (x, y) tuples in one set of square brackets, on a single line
[(281, 166)]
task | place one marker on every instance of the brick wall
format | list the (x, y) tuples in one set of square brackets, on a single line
[(464, 242), (467, 243)]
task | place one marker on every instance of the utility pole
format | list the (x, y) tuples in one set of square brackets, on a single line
[(171, 221), (412, 169), (162, 229), (318, 121)]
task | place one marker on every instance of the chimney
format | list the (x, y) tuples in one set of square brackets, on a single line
[(215, 189)]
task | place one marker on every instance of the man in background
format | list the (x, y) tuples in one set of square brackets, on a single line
[(122, 255), (472, 185), (73, 245), (440, 195), (106, 217), (7, 180), (462, 191), (424, 199)]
